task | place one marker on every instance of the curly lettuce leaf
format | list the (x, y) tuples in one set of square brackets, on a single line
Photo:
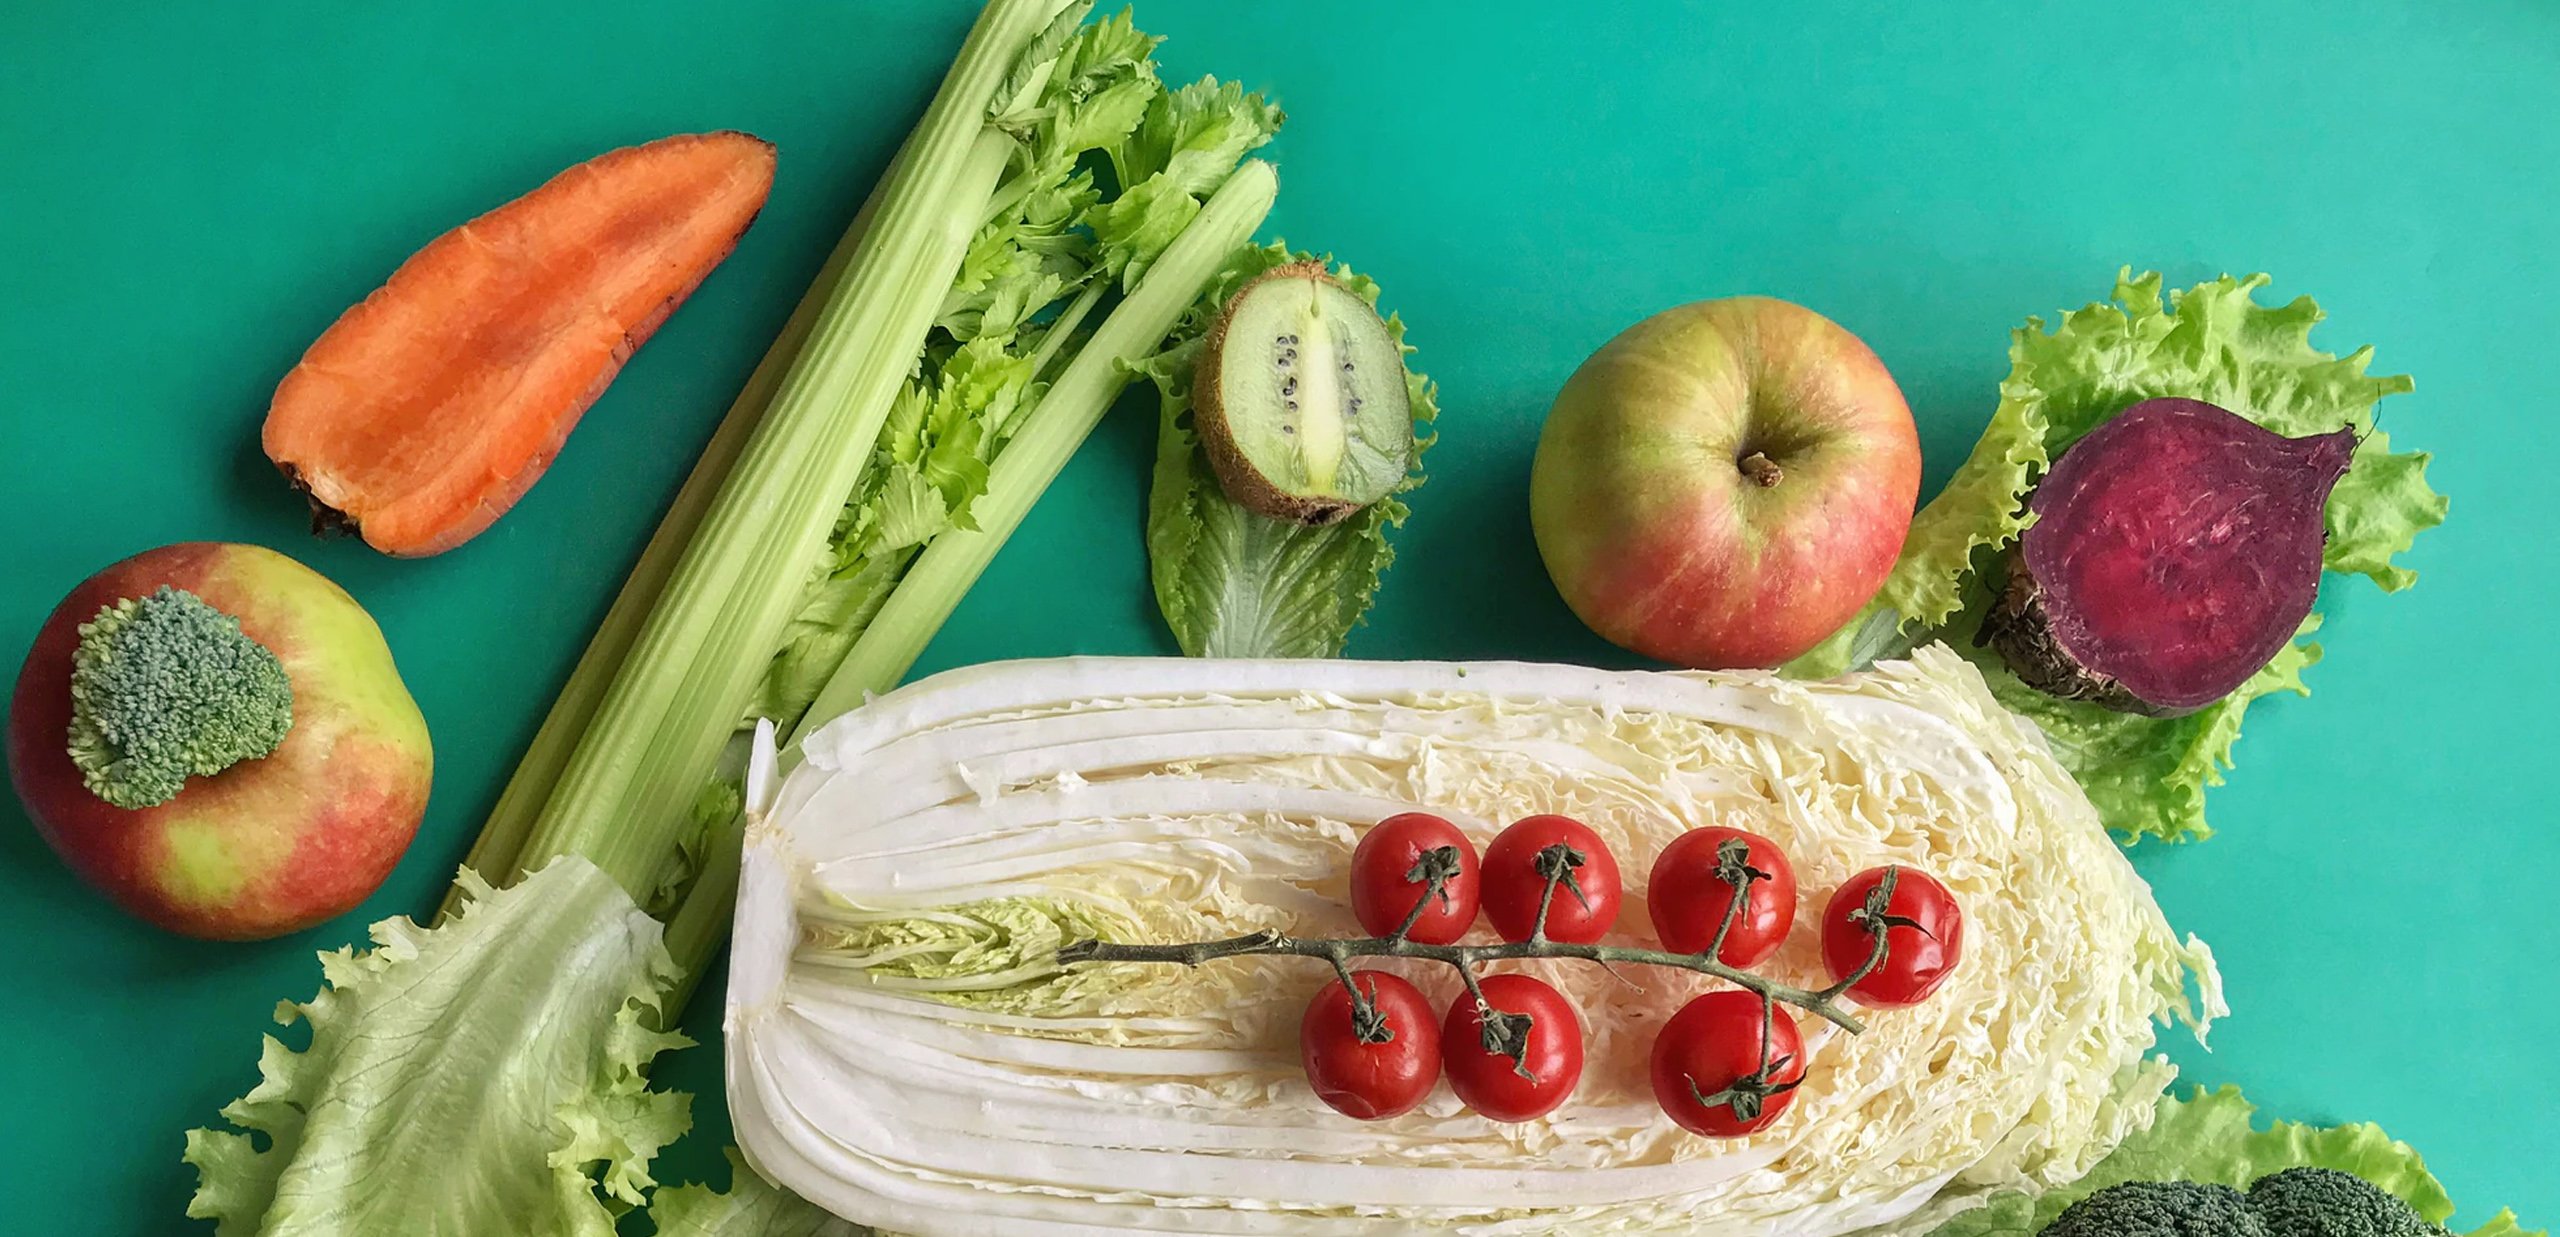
[(2213, 342), (1234, 584), (2147, 775), (2212, 1137), (485, 1076), (751, 1208), (1982, 508)]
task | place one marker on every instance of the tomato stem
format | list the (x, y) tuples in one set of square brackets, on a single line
[(1433, 869), (1872, 915), (1556, 863), (1750, 1094), (1733, 867), (1368, 1022)]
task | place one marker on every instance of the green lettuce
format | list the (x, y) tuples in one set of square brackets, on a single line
[(2212, 342), (1234, 584), (1032, 276), (484, 1077), (2212, 1137), (751, 1208)]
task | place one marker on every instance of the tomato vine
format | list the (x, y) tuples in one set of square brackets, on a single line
[(1507, 1033)]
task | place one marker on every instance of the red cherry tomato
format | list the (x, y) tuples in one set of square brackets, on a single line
[(1689, 900), (1712, 1048), (1493, 1083), (1359, 1078), (1924, 936), (1513, 884), (1384, 885)]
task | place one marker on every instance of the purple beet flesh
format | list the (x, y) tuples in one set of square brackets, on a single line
[(2175, 550)]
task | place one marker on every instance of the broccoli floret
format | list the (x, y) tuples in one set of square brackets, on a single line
[(2158, 1209), (2324, 1202), (164, 688), (2297, 1202)]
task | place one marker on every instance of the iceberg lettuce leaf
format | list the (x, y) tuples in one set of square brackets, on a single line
[(750, 1208), (482, 1076)]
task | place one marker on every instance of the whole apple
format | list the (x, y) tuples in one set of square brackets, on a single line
[(1724, 484), (212, 840)]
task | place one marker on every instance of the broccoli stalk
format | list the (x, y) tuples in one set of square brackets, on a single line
[(2297, 1202), (164, 688)]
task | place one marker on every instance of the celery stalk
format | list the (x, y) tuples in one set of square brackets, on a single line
[(1049, 434), (495, 852), (1022, 472), (623, 795), (700, 924)]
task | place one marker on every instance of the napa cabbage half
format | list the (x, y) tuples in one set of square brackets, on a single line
[(904, 1050)]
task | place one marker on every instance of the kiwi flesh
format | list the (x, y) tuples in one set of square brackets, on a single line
[(1300, 398)]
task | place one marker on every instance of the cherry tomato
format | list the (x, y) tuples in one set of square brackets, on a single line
[(1712, 1048), (1924, 936), (1513, 884), (1386, 880), (1370, 1080), (1689, 900), (1494, 1083)]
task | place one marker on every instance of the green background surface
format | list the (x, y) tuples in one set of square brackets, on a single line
[(192, 192)]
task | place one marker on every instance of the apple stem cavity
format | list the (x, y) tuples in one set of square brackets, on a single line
[(1763, 471)]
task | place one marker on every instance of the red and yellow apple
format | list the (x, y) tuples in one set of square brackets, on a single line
[(266, 845), (1725, 483)]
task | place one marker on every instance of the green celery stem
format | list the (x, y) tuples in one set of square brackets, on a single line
[(700, 926), (501, 842), (1050, 433), (621, 799), (932, 586), (1064, 327)]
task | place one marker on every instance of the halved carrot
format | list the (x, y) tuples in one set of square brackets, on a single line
[(430, 407)]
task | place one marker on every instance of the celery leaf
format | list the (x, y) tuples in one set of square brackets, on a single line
[(1191, 139), (1195, 134)]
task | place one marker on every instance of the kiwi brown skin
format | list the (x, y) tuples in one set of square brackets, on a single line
[(1237, 475)]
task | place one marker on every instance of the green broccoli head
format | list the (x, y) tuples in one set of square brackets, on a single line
[(2297, 1202), (2159, 1209), (164, 688), (2324, 1202)]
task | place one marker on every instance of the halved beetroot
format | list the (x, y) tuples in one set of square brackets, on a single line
[(426, 411), (2174, 552)]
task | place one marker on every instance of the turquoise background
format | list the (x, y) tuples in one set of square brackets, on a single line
[(192, 192)]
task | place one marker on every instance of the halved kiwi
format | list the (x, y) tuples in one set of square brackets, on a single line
[(1300, 398)]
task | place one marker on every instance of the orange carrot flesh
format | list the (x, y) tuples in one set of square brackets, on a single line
[(430, 407)]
